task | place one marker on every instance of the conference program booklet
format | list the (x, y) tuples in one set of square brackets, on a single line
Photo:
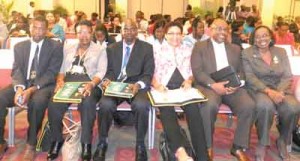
[(118, 89), (175, 97), (71, 92)]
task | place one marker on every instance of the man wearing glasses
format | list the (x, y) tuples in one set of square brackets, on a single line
[(130, 61), (208, 57)]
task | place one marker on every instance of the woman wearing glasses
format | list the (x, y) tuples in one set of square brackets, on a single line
[(172, 71), (269, 78)]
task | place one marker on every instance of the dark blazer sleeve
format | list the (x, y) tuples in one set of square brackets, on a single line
[(50, 63), (110, 72), (197, 63), (19, 70), (148, 68), (286, 79)]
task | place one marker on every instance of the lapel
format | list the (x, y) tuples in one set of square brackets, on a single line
[(230, 56), (26, 56), (43, 58), (212, 56), (133, 54), (119, 57)]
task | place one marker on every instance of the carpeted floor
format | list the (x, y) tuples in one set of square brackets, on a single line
[(122, 143)]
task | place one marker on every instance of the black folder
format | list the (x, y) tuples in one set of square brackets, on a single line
[(227, 74)]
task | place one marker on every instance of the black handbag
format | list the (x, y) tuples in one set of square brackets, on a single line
[(165, 151), (227, 74)]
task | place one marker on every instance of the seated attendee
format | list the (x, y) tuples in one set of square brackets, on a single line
[(21, 29), (83, 62), (94, 19), (130, 61), (237, 35), (55, 30), (158, 37), (249, 26), (61, 21), (101, 36), (173, 71), (36, 65), (269, 78), (197, 33), (115, 25), (208, 57), (282, 36), (142, 23)]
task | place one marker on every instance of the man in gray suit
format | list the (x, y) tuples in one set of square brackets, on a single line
[(37, 62), (130, 61), (210, 56)]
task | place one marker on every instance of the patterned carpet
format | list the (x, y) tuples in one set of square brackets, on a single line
[(122, 143)]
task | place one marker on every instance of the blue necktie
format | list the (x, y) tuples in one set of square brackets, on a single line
[(126, 57), (122, 77)]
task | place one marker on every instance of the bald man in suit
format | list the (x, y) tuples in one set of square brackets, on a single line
[(138, 73), (210, 56)]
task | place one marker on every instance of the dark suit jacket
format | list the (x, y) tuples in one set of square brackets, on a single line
[(203, 61), (50, 60), (140, 65), (259, 75)]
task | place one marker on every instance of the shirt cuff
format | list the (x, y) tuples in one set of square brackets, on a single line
[(19, 85), (142, 84)]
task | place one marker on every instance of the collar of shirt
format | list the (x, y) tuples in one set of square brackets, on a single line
[(126, 45)]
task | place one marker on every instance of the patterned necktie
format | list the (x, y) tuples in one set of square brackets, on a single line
[(34, 64)]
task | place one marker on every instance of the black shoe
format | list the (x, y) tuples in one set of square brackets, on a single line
[(141, 153), (86, 153), (54, 150), (99, 154)]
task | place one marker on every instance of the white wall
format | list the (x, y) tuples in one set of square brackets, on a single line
[(175, 8)]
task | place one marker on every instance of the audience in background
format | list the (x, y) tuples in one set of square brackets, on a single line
[(142, 23), (21, 29), (197, 33), (54, 29), (101, 36), (115, 26), (237, 35), (283, 36), (158, 38)]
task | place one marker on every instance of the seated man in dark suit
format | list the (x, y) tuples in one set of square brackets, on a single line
[(138, 72), (37, 62), (210, 56)]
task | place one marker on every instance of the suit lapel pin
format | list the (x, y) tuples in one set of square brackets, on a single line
[(275, 60)]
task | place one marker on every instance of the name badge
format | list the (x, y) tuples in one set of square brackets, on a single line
[(77, 69)]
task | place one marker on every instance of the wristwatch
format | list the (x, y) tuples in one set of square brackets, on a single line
[(208, 85)]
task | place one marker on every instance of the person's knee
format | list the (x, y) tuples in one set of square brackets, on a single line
[(210, 107), (105, 106), (140, 106)]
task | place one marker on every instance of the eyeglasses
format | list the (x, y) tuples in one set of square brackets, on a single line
[(174, 34), (264, 36)]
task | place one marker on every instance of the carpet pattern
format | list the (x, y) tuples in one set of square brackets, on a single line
[(122, 143)]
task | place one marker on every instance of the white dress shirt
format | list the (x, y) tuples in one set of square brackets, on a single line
[(220, 55)]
